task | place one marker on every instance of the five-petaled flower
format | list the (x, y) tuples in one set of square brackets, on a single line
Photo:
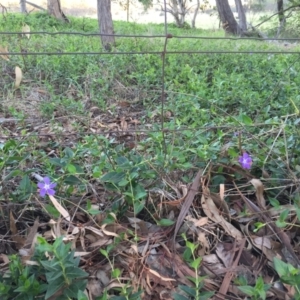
[(46, 187), (245, 160)]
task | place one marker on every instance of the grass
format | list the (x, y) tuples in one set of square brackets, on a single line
[(92, 123)]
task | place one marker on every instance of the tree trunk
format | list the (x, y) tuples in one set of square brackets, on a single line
[(105, 23), (175, 13), (23, 6), (241, 14), (228, 21), (280, 11), (195, 14), (54, 9)]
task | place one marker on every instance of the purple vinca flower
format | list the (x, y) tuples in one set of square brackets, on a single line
[(46, 187), (245, 160)]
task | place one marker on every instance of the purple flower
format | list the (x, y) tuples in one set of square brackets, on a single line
[(46, 187), (245, 160)]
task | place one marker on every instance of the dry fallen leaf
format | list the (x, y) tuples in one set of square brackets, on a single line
[(161, 277), (19, 76), (18, 239), (213, 213), (26, 30), (62, 211), (4, 50), (259, 192)]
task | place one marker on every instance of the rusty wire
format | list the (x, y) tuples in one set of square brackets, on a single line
[(149, 36)]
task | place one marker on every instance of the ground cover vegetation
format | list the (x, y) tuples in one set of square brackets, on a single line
[(98, 202)]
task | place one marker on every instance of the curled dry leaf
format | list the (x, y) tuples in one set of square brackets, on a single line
[(259, 187), (109, 233), (213, 213), (226, 253), (19, 76), (266, 246), (221, 204)]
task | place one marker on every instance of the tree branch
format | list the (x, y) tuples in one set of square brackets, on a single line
[(36, 6), (293, 6)]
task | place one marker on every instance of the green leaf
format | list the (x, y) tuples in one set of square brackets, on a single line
[(69, 152), (258, 226), (51, 265), (245, 119), (196, 263), (113, 177), (71, 169), (81, 295), (52, 211), (190, 291), (190, 245), (274, 202), (13, 173), (50, 276), (136, 295), (72, 180), (116, 273), (71, 291), (179, 297), (123, 161), (75, 272), (259, 285), (139, 192), (280, 267), (25, 184), (187, 254), (138, 206), (206, 295), (165, 222), (97, 172), (281, 224), (248, 290), (123, 182), (104, 252), (53, 287), (57, 162), (284, 215), (44, 244)]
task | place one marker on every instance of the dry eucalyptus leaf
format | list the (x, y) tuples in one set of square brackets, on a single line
[(62, 211), (109, 233), (213, 213), (19, 76), (26, 30)]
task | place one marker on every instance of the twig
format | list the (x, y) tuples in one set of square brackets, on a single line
[(293, 6)]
